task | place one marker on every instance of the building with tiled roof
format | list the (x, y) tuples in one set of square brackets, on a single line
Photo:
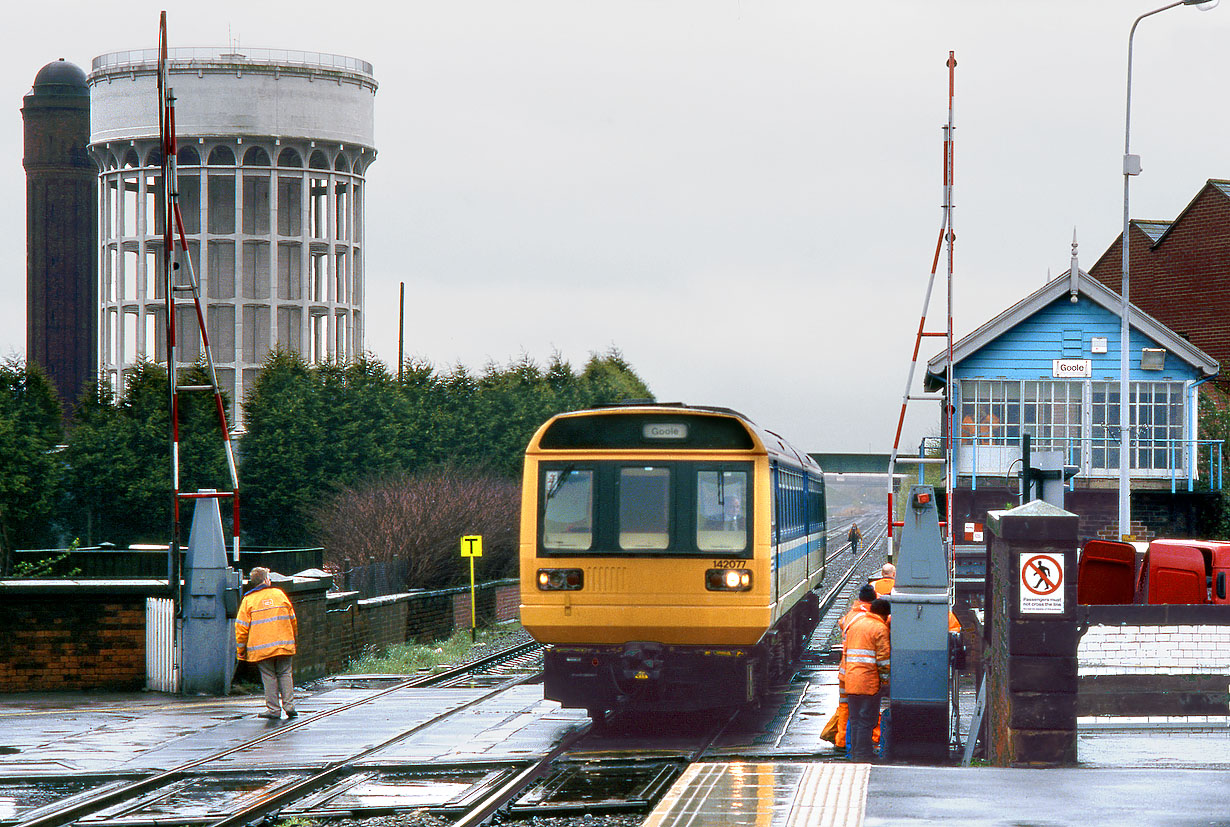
[(1048, 367), (1179, 271)]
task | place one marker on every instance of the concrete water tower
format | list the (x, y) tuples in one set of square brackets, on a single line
[(274, 146)]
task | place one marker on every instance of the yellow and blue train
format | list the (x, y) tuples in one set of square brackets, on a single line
[(669, 556)]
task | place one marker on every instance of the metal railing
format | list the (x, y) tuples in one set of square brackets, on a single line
[(1098, 457), (148, 58)]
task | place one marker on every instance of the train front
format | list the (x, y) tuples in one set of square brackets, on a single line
[(644, 563)]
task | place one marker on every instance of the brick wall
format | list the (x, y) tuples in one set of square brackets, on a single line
[(60, 635), (1154, 513), (314, 639), (72, 642), (1184, 649), (359, 626), (1183, 281), (1156, 662)]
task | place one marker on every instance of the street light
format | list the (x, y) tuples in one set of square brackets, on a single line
[(1131, 166)]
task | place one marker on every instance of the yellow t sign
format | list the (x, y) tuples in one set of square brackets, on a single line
[(472, 546)]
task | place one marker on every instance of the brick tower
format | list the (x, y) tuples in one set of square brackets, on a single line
[(61, 229)]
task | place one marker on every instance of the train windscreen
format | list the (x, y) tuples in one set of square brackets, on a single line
[(645, 507)]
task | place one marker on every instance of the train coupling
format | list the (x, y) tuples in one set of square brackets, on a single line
[(642, 661)]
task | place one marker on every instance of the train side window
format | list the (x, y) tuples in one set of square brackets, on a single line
[(721, 517), (644, 509), (568, 509)]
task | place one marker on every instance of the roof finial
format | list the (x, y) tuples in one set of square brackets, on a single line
[(1074, 274)]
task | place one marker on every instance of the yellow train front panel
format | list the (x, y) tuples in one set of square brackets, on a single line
[(665, 545), (651, 599)]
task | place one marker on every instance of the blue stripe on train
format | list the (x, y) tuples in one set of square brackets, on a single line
[(784, 557)]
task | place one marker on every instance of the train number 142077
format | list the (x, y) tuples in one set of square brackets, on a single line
[(729, 564)]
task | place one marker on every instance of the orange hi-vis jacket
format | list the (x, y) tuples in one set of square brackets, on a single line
[(266, 625), (883, 586), (859, 608), (866, 653)]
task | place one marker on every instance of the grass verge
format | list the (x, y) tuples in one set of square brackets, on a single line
[(410, 658)]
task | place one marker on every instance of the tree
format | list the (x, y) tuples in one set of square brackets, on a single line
[(609, 378), (1214, 425), (283, 467), (30, 430), (118, 465), (420, 518), (314, 431)]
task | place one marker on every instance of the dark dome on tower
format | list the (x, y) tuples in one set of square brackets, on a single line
[(61, 78)]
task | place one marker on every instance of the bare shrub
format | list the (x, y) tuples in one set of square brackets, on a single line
[(420, 518)]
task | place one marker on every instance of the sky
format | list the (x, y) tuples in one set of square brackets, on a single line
[(742, 197)]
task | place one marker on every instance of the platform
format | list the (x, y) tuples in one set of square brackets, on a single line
[(1161, 775), (849, 795)]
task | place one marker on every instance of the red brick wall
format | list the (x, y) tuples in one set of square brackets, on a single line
[(357, 626), (1154, 513), (55, 641), (1183, 281), (72, 642)]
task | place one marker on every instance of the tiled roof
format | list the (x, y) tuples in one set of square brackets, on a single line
[(1154, 229), (1224, 186), (1061, 287)]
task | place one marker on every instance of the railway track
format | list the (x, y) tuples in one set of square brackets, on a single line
[(583, 770), (92, 808)]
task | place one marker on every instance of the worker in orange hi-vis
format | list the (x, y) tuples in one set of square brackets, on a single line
[(887, 579), (867, 675), (865, 595)]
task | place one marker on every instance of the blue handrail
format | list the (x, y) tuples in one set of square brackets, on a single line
[(1081, 450)]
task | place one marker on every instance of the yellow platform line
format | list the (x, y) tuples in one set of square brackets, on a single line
[(765, 795), (830, 795)]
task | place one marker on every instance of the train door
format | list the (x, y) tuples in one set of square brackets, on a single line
[(775, 529), (807, 518)]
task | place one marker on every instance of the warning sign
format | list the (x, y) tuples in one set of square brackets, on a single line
[(973, 533), (1042, 583), (472, 545)]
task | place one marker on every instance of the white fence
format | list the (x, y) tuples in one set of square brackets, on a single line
[(161, 657)]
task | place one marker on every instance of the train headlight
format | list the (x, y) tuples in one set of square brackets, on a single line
[(728, 580), (560, 580)]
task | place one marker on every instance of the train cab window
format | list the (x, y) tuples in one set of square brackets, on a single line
[(721, 519), (644, 508), (568, 516)]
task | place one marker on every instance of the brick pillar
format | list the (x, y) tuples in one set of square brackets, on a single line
[(1031, 677)]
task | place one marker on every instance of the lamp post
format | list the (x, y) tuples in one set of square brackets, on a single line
[(1131, 166)]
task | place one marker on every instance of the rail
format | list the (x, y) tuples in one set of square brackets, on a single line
[(93, 804), (830, 597)]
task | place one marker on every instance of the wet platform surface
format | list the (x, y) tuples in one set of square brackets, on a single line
[(841, 795), (88, 733), (767, 767)]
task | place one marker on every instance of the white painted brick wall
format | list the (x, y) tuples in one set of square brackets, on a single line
[(1155, 650)]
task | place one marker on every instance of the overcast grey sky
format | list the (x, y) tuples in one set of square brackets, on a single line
[(744, 197)]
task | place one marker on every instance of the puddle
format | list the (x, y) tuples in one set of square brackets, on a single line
[(587, 788), (20, 799), (442, 791), (194, 799)]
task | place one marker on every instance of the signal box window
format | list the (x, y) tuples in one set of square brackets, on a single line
[(568, 518), (721, 519), (644, 509)]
